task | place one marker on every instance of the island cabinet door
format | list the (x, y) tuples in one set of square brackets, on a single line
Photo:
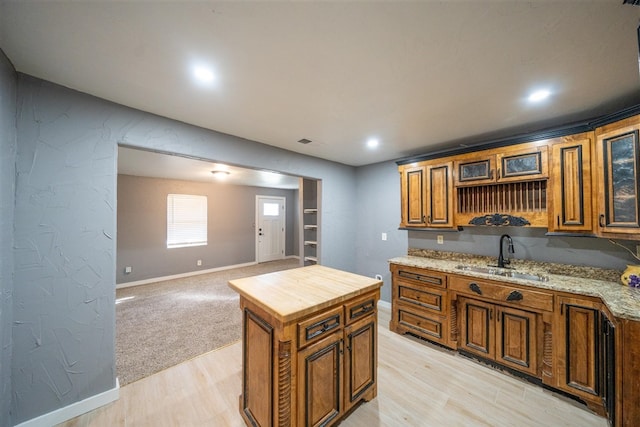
[(360, 361), (320, 382)]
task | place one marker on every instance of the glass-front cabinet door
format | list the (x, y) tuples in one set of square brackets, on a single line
[(617, 153)]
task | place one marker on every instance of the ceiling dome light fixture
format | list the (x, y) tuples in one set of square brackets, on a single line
[(219, 174), (373, 143), (539, 95)]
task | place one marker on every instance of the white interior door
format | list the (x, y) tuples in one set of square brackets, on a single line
[(270, 231)]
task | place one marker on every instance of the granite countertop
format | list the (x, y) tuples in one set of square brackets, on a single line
[(622, 301), (291, 294)]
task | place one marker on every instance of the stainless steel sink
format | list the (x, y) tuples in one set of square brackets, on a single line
[(503, 272)]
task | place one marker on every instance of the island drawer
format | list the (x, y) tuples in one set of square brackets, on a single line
[(359, 308), (317, 327), (506, 293)]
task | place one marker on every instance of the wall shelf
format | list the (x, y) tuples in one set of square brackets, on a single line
[(310, 224)]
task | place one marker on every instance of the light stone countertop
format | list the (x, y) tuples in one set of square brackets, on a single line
[(622, 301)]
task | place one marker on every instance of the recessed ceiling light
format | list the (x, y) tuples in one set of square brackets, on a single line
[(372, 143), (203, 74), (539, 95)]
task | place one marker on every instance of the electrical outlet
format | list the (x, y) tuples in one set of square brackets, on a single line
[(128, 269), (199, 262), (440, 239), (384, 236), (378, 276)]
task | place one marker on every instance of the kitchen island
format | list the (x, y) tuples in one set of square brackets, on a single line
[(309, 345)]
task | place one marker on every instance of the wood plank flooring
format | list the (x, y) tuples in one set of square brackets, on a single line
[(418, 385)]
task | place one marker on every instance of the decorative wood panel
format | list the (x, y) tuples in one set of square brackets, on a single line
[(440, 200), (360, 360), (320, 375), (516, 340), (571, 185), (257, 380), (413, 193), (478, 332)]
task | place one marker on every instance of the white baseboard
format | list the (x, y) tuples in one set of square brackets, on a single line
[(71, 411), (190, 273), (384, 304), (181, 275)]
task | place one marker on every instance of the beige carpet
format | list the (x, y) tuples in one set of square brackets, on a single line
[(166, 323)]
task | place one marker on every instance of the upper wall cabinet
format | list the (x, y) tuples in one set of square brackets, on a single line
[(570, 207), (617, 151), (509, 164), (426, 193)]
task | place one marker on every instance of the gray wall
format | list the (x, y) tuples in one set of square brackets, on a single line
[(379, 211), (142, 226), (65, 231), (8, 89), (378, 203), (529, 243)]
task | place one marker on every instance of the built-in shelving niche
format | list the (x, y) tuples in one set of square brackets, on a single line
[(527, 200), (310, 207)]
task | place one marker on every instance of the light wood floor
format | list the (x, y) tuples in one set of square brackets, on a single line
[(418, 385)]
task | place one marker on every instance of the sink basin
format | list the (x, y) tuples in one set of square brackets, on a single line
[(503, 272)]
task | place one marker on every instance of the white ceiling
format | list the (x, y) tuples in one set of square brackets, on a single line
[(420, 75)]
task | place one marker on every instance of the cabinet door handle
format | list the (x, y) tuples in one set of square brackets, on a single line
[(558, 220), (475, 288), (514, 296), (601, 220), (491, 174), (429, 219)]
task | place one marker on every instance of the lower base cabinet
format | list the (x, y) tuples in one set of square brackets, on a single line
[(570, 343), (504, 335), (311, 371)]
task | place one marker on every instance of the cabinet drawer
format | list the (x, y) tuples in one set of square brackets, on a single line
[(434, 328), (504, 293), (421, 276), (359, 308), (319, 326), (425, 297)]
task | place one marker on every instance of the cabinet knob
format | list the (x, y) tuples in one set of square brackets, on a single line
[(475, 288), (601, 220), (514, 296)]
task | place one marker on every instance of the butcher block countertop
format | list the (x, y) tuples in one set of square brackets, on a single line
[(291, 294)]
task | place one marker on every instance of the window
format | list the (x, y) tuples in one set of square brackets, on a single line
[(186, 220), (271, 209)]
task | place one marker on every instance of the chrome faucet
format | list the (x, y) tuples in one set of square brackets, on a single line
[(502, 262)]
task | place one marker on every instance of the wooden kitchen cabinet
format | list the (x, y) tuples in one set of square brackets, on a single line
[(320, 381), (577, 347), (420, 304), (427, 195), (617, 155), (505, 335), (413, 196), (570, 208), (309, 345), (508, 164)]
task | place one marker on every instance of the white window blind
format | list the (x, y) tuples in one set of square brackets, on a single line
[(186, 220)]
